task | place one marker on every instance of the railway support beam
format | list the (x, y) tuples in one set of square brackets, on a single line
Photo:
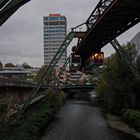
[(123, 54)]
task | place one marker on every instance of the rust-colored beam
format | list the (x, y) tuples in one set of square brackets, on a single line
[(79, 34)]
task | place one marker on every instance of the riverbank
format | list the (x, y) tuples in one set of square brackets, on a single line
[(115, 123), (81, 120), (30, 126)]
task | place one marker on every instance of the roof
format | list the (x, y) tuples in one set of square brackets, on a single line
[(54, 15)]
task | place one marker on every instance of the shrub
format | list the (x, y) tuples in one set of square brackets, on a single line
[(31, 128), (132, 117)]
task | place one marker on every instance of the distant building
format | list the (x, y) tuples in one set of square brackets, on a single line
[(73, 77), (18, 73), (55, 27), (136, 40)]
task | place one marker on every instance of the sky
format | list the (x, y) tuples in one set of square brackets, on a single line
[(21, 36)]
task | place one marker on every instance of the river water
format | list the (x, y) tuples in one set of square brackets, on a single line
[(79, 120)]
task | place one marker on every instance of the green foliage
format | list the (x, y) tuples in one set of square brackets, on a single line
[(31, 128), (132, 117), (9, 65), (40, 73), (118, 87), (3, 122), (26, 65), (3, 108), (1, 65)]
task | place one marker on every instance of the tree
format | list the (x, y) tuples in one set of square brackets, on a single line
[(9, 65), (39, 73), (1, 65), (49, 78), (117, 84), (26, 66)]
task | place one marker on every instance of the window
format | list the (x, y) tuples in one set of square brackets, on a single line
[(54, 18), (45, 18), (62, 18), (55, 34), (55, 27), (54, 23), (55, 31)]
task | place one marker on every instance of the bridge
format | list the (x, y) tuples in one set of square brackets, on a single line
[(19, 83), (77, 89), (4, 83), (109, 19)]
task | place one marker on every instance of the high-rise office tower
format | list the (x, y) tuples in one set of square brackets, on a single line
[(55, 27)]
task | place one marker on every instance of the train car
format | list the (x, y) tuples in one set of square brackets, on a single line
[(75, 62), (94, 61), (97, 58)]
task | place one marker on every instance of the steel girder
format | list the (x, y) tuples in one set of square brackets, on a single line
[(8, 7), (109, 19), (49, 69), (2, 3), (61, 71), (98, 11), (124, 56)]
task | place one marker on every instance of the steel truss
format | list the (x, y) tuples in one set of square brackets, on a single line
[(49, 69), (56, 82), (8, 7), (98, 11), (3, 3), (123, 54)]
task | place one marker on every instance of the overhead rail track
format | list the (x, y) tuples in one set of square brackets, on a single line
[(8, 7), (108, 20)]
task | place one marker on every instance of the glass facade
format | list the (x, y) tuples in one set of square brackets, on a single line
[(55, 27)]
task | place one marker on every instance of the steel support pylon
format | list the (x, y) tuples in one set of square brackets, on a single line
[(123, 54), (49, 69), (61, 71)]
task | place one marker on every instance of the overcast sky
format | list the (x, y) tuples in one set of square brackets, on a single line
[(21, 37)]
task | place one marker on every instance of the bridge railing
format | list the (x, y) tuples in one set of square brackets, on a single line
[(21, 83)]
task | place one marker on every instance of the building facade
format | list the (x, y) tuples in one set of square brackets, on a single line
[(72, 78), (55, 28)]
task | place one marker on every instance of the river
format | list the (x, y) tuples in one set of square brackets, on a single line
[(79, 120)]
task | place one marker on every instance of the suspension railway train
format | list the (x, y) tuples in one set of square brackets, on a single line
[(95, 60)]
